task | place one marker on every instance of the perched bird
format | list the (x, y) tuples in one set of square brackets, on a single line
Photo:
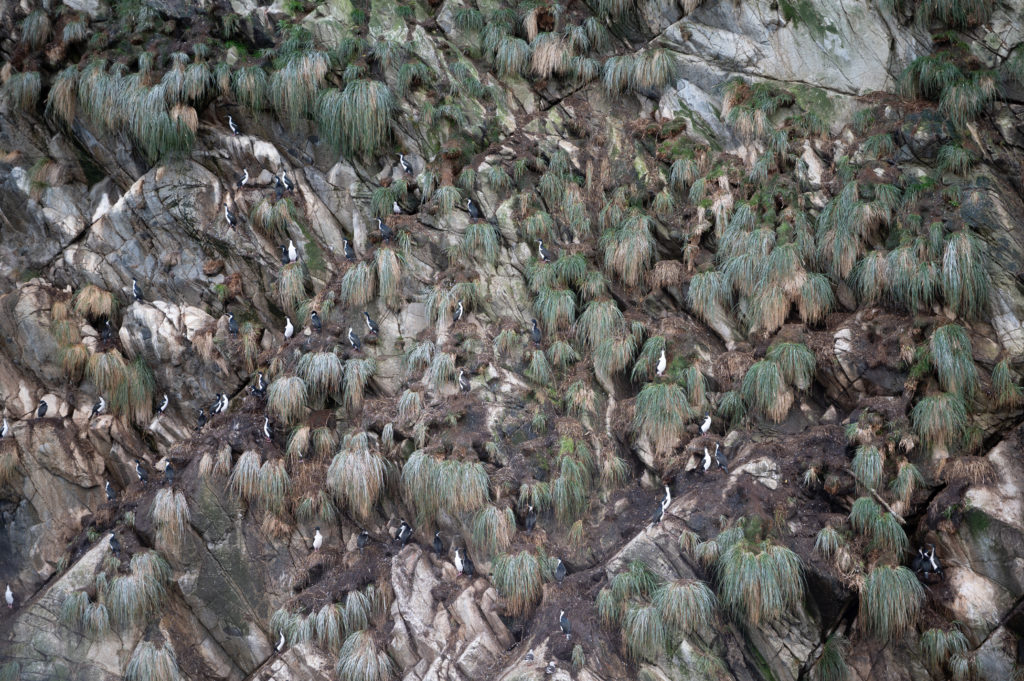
[(531, 519), (109, 489), (463, 381), (667, 498), (459, 311), (168, 474), (232, 324), (107, 331), (243, 179), (318, 540), (314, 321), (720, 459), (395, 208), (289, 330), (535, 333), (278, 188), (706, 426), (707, 460), (260, 388), (353, 340), (136, 291), (551, 668), (98, 407), (287, 183), (141, 472), (543, 252), (215, 407), (658, 513), (268, 432), (386, 232), (4, 429), (406, 166), (231, 124), (363, 540), (115, 545), (41, 409), (920, 562), (933, 566), (458, 561), (9, 597), (662, 363), (223, 404), (202, 419), (474, 209), (404, 532), (284, 255), (280, 642), (560, 571), (371, 326), (229, 216), (350, 253), (438, 546), (467, 566), (293, 254), (563, 622), (529, 655), (163, 404)]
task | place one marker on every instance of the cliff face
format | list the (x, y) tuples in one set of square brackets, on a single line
[(799, 219)]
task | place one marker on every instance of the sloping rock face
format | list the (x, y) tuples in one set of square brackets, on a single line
[(687, 339)]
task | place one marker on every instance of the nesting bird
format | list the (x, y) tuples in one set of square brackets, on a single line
[(551, 668), (318, 540), (720, 459), (201, 419), (474, 209), (229, 216), (706, 425), (115, 545), (438, 546), (354, 341), (707, 460), (141, 472), (467, 566), (9, 597), (41, 409), (278, 188), (243, 179), (287, 183), (168, 474), (107, 331), (136, 291), (163, 404), (232, 126), (395, 208), (531, 519), (386, 232), (98, 407), (268, 432), (404, 532), (260, 389), (371, 326), (293, 254), (560, 571), (280, 642), (215, 407), (535, 333), (667, 499), (109, 489), (458, 561), (362, 540), (459, 311)]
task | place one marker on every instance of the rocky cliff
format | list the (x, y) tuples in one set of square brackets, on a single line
[(440, 340)]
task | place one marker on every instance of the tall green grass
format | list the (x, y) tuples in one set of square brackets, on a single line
[(881, 527), (965, 280), (171, 517), (601, 319), (356, 120), (867, 466), (286, 399), (244, 480), (796, 362), (686, 606), (150, 663), (939, 419), (662, 412), (764, 389), (953, 360), (1007, 393), (890, 601), (274, 484), (322, 373), (758, 581), (356, 477), (518, 579), (492, 530), (361, 660)]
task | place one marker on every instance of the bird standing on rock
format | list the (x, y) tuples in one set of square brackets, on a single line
[(229, 216), (289, 330), (280, 642), (545, 255), (662, 363), (350, 253), (168, 474), (163, 404), (371, 326), (474, 209), (243, 178), (353, 340), (99, 407), (667, 499), (232, 324), (720, 459), (395, 208), (706, 426), (41, 409), (109, 489), (287, 183), (314, 321), (278, 188), (136, 291), (4, 429), (141, 472), (458, 561), (362, 540), (707, 460), (201, 420), (560, 571), (115, 545), (404, 532), (9, 597), (535, 333), (385, 232), (267, 430), (293, 254), (459, 311), (463, 381), (318, 540), (563, 622), (531, 519), (406, 166), (232, 126), (438, 546)]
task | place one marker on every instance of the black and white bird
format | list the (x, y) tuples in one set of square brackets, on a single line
[(406, 166), (707, 460), (289, 329), (563, 622), (543, 252), (232, 324), (458, 561), (362, 540), (459, 311), (9, 597), (243, 179), (920, 562), (318, 539), (395, 208), (215, 407), (350, 253), (280, 642), (560, 571), (168, 474), (468, 568), (284, 255), (720, 459), (260, 389), (111, 492), (933, 564), (278, 188), (287, 183), (201, 421), (107, 331), (4, 429), (41, 409), (386, 232), (531, 519), (223, 404), (353, 340), (535, 333), (268, 432), (232, 126), (115, 545), (98, 407), (463, 381), (141, 472), (314, 321), (658, 513), (371, 326), (229, 216), (474, 209), (662, 363), (667, 499), (136, 291), (293, 254), (438, 546), (404, 533), (551, 668), (706, 425), (163, 404), (529, 655)]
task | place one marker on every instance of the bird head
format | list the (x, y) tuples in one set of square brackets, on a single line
[(316, 529)]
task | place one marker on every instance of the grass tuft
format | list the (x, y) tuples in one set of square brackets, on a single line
[(322, 373), (286, 399), (1007, 393), (95, 304), (356, 478), (244, 480), (643, 633), (361, 660), (758, 580), (765, 391), (519, 581), (273, 484), (867, 466), (686, 606), (965, 281), (951, 355), (939, 419), (890, 601), (831, 664), (601, 319), (662, 412), (171, 517), (493, 530), (150, 663)]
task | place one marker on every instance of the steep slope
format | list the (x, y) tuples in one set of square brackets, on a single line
[(724, 296)]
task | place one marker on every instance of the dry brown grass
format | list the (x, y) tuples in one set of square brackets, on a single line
[(975, 470), (667, 273)]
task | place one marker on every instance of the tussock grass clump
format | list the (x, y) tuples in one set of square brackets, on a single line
[(322, 372), (389, 276), (732, 408), (938, 646), (244, 480), (613, 355), (1007, 393), (358, 372), (951, 355), (481, 241), (662, 412), (356, 478), (133, 599), (410, 404), (647, 360), (73, 608), (831, 664), (643, 633), (601, 319), (518, 579), (867, 466), (21, 91), (356, 120), (361, 660), (286, 399), (764, 389), (249, 85), (827, 542), (274, 484), (441, 371), (95, 304), (965, 281), (62, 100), (493, 530), (908, 480), (171, 517), (511, 57), (8, 465), (939, 419), (150, 663), (796, 362), (757, 579), (881, 527), (561, 354), (35, 29), (555, 308), (316, 507), (686, 606), (294, 88), (359, 286), (539, 369), (629, 248), (890, 601), (432, 485), (291, 288), (708, 295)]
